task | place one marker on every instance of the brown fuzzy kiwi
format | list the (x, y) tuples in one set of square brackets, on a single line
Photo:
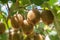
[(33, 15), (16, 36), (38, 37), (47, 17), (17, 21), (27, 27), (2, 28)]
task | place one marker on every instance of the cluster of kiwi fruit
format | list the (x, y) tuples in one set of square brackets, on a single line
[(27, 25), (33, 17)]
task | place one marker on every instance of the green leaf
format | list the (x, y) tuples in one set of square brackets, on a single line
[(57, 7), (54, 37), (9, 23), (58, 16), (3, 36), (38, 2), (13, 12), (51, 2), (13, 1), (1, 17), (24, 2), (4, 1)]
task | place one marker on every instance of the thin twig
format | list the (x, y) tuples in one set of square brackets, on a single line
[(8, 18)]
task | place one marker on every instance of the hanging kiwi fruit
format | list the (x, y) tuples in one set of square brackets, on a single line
[(2, 28), (27, 27), (16, 36), (33, 16), (17, 21), (47, 17)]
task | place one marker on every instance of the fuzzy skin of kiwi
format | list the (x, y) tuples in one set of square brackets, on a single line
[(16, 36), (34, 16), (27, 27), (47, 17), (17, 21)]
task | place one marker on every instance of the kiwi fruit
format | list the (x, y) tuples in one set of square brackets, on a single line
[(2, 28), (17, 21), (33, 16), (27, 27), (47, 17), (16, 36)]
